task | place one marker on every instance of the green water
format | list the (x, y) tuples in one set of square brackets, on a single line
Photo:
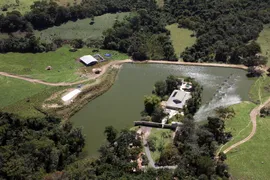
[(122, 104)]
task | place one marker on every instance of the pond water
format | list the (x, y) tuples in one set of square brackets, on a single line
[(122, 104)]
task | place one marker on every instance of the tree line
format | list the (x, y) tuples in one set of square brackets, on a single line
[(223, 29)]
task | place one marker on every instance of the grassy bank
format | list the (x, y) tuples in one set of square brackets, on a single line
[(180, 38), (264, 41), (260, 90), (162, 137), (65, 67), (240, 125), (251, 160), (81, 29)]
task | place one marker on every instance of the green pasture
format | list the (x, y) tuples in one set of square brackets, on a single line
[(81, 29), (181, 38), (264, 41), (13, 90), (162, 138), (240, 125), (65, 67), (260, 89), (251, 160), (24, 6)]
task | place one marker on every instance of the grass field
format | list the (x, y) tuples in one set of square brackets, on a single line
[(13, 90), (65, 68), (251, 160), (163, 137), (240, 126), (81, 28), (24, 5), (264, 41), (260, 89), (180, 38)]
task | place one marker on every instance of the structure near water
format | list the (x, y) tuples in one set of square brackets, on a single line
[(178, 99), (88, 60)]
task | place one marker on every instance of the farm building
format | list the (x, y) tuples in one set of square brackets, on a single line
[(177, 99), (88, 60)]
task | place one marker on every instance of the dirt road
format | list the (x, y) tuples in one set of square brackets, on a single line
[(253, 117), (105, 67)]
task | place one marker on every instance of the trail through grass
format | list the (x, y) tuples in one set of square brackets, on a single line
[(180, 38), (81, 29), (260, 89), (264, 41), (251, 160)]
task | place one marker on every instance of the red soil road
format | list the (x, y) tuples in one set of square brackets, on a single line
[(253, 115)]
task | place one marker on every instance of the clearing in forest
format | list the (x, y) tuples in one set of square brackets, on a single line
[(65, 68), (264, 41), (24, 6), (81, 29), (181, 38)]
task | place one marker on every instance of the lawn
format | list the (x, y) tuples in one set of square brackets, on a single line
[(251, 160), (23, 6), (180, 38), (65, 68), (162, 138), (81, 29), (13, 90), (240, 125), (264, 41), (260, 89)]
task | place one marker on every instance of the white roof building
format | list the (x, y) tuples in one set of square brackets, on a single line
[(70, 95), (177, 99), (88, 60)]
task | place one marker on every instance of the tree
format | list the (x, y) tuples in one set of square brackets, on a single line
[(77, 43), (158, 114), (160, 88), (150, 103), (111, 134), (172, 83)]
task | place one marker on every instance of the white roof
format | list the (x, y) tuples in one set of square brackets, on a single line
[(178, 99), (88, 59), (70, 95)]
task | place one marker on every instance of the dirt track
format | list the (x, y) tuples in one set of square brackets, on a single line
[(253, 116), (105, 67)]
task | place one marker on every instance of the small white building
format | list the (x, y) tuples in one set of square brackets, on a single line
[(88, 60), (177, 99)]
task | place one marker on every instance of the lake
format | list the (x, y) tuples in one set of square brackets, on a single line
[(123, 102)]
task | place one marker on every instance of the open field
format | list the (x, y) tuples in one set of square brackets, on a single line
[(23, 6), (180, 38), (13, 90), (264, 41), (260, 90), (65, 68), (81, 29), (162, 139), (240, 126), (252, 159)]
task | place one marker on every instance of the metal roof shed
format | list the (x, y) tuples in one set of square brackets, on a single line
[(88, 60)]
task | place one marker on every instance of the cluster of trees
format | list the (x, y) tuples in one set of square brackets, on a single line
[(194, 150), (222, 28), (143, 36), (31, 148), (194, 103)]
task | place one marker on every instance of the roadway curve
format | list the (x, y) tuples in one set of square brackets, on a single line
[(105, 67), (253, 116)]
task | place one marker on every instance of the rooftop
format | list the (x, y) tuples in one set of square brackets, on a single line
[(178, 99), (88, 60)]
